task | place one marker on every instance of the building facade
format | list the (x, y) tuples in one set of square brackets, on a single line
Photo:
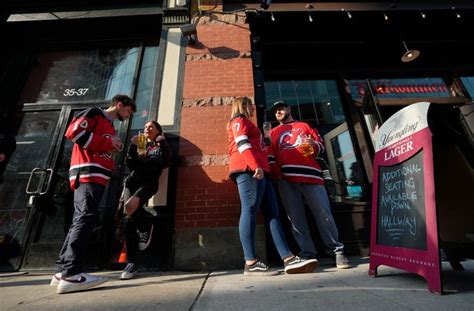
[(343, 67)]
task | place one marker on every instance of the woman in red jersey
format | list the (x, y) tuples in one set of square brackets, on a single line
[(249, 169)]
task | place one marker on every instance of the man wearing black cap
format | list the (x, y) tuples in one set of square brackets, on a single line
[(295, 146)]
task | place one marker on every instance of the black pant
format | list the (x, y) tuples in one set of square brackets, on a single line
[(139, 221), (86, 209)]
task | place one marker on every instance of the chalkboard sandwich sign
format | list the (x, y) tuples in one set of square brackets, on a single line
[(404, 227)]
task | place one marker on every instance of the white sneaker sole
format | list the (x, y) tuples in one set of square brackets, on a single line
[(306, 266), (69, 287), (127, 275), (54, 281)]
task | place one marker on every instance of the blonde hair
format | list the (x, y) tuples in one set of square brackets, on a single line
[(240, 106)]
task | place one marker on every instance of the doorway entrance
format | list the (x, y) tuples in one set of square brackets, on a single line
[(35, 201), (37, 207)]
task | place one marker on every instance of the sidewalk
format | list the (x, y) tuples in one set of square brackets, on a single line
[(326, 289)]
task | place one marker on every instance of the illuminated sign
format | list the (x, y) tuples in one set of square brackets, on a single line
[(402, 88)]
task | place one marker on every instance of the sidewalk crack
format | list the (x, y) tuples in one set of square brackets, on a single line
[(200, 292)]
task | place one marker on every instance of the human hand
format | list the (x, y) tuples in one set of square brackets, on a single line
[(117, 144), (259, 174), (160, 137), (135, 140)]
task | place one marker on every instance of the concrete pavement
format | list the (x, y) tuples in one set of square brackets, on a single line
[(326, 289)]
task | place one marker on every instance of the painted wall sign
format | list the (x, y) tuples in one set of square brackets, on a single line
[(404, 225)]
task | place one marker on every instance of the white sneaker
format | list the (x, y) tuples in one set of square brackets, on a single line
[(79, 282), (55, 279), (129, 272), (144, 239)]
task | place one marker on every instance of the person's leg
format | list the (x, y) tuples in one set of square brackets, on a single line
[(318, 202), (251, 192), (291, 197), (86, 202), (272, 220)]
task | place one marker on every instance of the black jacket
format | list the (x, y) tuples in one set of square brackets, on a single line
[(147, 168)]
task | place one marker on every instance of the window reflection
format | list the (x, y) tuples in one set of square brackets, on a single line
[(81, 75), (468, 83), (318, 103), (347, 167), (146, 85)]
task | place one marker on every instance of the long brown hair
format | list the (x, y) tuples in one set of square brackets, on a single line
[(240, 107)]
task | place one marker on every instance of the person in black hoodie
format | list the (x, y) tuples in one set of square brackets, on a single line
[(140, 186)]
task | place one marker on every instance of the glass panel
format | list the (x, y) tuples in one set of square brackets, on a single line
[(347, 167), (146, 85), (401, 88), (33, 142), (314, 101), (318, 103), (469, 85), (82, 75)]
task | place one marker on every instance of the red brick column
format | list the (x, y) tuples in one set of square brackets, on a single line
[(218, 68)]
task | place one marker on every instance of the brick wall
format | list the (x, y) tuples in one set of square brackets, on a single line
[(218, 68)]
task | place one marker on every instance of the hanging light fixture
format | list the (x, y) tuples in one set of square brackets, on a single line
[(272, 17), (409, 55), (310, 18), (349, 15)]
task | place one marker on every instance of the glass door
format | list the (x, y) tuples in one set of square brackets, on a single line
[(30, 165)]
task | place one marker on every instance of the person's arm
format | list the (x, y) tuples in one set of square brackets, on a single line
[(274, 168), (81, 132)]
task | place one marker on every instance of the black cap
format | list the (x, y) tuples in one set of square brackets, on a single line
[(278, 103)]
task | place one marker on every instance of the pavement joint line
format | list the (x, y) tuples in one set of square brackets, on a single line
[(200, 291)]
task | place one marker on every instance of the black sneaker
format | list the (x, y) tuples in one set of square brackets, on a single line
[(144, 239), (342, 262), (301, 265), (259, 269), (129, 272)]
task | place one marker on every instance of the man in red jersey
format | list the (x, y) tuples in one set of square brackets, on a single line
[(301, 176), (92, 164)]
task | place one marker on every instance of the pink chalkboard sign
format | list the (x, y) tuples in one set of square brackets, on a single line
[(404, 227)]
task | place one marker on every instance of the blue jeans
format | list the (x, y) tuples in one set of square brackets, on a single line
[(252, 191), (291, 194)]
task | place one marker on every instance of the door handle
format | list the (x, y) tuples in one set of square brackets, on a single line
[(41, 189)]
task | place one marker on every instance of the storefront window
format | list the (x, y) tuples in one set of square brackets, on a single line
[(81, 75), (315, 101), (95, 75), (318, 103), (146, 87)]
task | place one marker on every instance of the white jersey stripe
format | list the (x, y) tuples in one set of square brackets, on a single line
[(88, 164), (90, 175), (79, 135), (244, 147), (302, 175), (88, 141), (240, 138)]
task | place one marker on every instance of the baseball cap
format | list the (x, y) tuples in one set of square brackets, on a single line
[(278, 103)]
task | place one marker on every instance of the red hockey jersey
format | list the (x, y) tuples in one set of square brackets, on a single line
[(246, 148), (91, 131), (294, 166)]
